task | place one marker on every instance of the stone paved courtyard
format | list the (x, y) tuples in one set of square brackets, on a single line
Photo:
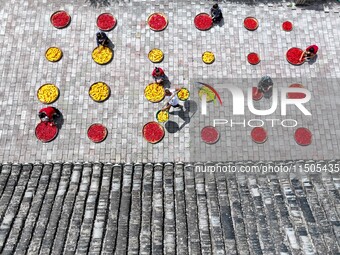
[(82, 198), (166, 209), (26, 33)]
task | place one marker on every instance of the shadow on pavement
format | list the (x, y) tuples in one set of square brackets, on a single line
[(313, 60), (59, 121), (166, 82), (185, 115), (111, 45), (190, 106), (171, 126), (221, 23)]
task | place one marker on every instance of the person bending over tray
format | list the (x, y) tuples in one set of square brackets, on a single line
[(265, 86), (216, 13), (309, 53), (158, 74), (102, 39), (49, 114), (172, 99)]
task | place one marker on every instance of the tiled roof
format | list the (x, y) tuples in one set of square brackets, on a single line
[(95, 208)]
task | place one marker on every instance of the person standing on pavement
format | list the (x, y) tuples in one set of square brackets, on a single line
[(172, 99), (216, 13)]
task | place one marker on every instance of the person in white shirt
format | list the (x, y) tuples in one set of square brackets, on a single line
[(171, 97)]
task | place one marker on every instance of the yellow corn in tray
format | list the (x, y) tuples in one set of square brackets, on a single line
[(102, 55), (53, 54), (162, 116), (99, 91), (156, 55), (183, 94), (208, 57), (154, 92), (48, 93)]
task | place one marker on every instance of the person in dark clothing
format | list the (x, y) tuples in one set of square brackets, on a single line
[(216, 13), (102, 39), (266, 86)]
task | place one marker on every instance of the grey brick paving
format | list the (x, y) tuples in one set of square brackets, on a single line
[(26, 33), (117, 208), (95, 208)]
